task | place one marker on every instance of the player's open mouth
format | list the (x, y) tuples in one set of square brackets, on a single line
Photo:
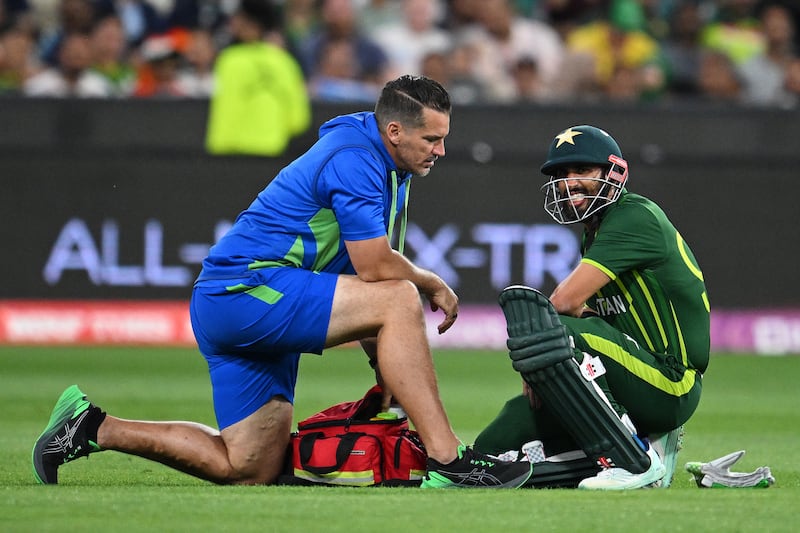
[(577, 198)]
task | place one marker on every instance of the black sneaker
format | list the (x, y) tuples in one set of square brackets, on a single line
[(476, 470), (64, 439)]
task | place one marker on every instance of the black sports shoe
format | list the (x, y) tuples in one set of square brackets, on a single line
[(475, 470), (65, 438)]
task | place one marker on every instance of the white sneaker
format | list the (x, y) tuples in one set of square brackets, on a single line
[(667, 446), (620, 479)]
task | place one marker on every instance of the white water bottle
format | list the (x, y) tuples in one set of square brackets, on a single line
[(397, 410)]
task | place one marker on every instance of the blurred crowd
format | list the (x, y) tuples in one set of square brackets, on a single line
[(483, 51)]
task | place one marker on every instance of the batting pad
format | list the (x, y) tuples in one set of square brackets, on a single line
[(541, 351)]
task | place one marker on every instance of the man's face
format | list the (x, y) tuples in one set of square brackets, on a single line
[(416, 149), (579, 184)]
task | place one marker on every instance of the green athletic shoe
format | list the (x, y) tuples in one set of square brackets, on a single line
[(64, 439), (475, 470), (667, 447)]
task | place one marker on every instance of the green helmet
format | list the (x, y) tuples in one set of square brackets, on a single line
[(580, 144), (570, 199)]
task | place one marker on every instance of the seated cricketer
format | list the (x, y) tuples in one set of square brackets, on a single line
[(612, 361)]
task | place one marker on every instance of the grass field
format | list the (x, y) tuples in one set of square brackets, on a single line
[(749, 403)]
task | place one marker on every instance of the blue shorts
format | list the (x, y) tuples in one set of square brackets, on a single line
[(253, 330)]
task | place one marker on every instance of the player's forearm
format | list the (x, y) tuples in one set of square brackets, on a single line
[(567, 302), (570, 296)]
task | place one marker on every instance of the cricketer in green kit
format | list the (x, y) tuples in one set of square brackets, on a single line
[(612, 361)]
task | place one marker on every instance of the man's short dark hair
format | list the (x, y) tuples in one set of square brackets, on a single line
[(404, 99), (263, 12)]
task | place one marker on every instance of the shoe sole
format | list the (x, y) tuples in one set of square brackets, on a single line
[(67, 407)]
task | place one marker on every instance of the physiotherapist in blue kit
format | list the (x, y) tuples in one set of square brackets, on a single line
[(307, 266)]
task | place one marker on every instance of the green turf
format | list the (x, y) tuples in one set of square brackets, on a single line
[(748, 403)]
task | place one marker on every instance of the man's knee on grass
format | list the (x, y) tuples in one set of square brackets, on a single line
[(256, 446)]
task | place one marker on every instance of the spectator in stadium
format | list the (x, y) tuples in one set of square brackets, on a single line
[(260, 100), (339, 22), (18, 60), (460, 15), (307, 266), (300, 18), (110, 55), (407, 39), (617, 44), (73, 76), (718, 79), (74, 16), (626, 85), (763, 74), (452, 68), (373, 13), (682, 50), (177, 64), (199, 57), (335, 77), (501, 39), (633, 315), (139, 18), (434, 66), (159, 76), (734, 30), (527, 82)]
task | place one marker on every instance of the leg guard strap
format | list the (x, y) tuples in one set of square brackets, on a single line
[(561, 474)]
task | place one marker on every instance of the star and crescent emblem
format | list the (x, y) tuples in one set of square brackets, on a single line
[(567, 136)]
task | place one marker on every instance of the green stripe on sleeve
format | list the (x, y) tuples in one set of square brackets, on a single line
[(595, 264)]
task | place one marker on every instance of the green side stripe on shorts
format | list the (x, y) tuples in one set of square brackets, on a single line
[(639, 369), (261, 292)]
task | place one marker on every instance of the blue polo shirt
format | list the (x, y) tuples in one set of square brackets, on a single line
[(345, 187)]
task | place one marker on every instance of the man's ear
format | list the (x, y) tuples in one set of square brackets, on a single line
[(393, 131)]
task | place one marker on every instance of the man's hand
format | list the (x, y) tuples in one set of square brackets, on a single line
[(446, 300), (374, 260)]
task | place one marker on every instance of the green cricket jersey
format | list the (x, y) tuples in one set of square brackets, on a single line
[(657, 294)]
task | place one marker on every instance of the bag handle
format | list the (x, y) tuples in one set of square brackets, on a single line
[(346, 444)]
